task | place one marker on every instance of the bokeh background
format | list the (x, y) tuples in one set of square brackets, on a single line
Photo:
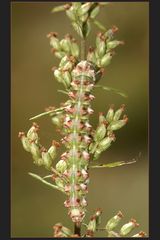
[(35, 207)]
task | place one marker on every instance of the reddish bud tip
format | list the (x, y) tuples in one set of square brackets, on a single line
[(56, 144), (21, 134), (119, 214), (114, 29)]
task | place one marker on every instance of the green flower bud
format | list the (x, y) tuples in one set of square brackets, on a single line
[(91, 55), (71, 13), (47, 160), (106, 59), (34, 149), (99, 38), (76, 5), (32, 133), (96, 154), (106, 142), (140, 234), (54, 42), (95, 12), (52, 151), (84, 17), (84, 8), (66, 79), (25, 141), (59, 54), (115, 125), (78, 29), (74, 49), (114, 44), (101, 48), (128, 227), (58, 75), (59, 182), (114, 221), (37, 161), (65, 45), (118, 113), (56, 120), (63, 61), (110, 114), (61, 166), (100, 132), (92, 225), (102, 118)]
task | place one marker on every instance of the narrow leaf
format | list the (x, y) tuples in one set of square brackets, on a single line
[(114, 164), (56, 111), (58, 9), (117, 91), (45, 182), (99, 25)]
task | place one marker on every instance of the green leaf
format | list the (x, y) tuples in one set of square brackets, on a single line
[(114, 164), (117, 91), (99, 25)]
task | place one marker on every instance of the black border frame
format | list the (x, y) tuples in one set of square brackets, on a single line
[(154, 119)]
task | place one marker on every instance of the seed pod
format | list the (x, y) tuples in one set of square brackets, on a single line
[(114, 221), (77, 28), (74, 49), (110, 114), (94, 12), (100, 132), (65, 45), (113, 44), (115, 125), (118, 113), (25, 141), (140, 234), (61, 166), (106, 59), (128, 227), (84, 8), (47, 160), (34, 149), (71, 13)]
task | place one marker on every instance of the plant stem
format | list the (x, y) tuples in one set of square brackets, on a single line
[(77, 229), (83, 49)]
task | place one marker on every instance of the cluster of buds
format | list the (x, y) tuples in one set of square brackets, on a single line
[(103, 135), (125, 229), (103, 53), (63, 73), (65, 47), (31, 144)]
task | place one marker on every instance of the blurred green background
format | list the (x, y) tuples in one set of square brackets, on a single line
[(35, 207)]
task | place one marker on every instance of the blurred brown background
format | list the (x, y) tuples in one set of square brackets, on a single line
[(35, 207)]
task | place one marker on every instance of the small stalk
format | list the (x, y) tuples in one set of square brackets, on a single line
[(83, 49)]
